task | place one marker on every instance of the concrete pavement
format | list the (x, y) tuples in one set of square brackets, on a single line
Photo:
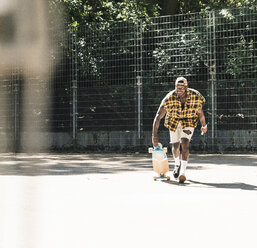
[(111, 200)]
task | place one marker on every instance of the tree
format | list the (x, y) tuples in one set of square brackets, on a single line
[(167, 7), (191, 6), (87, 11)]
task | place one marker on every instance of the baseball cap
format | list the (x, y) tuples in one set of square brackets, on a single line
[(181, 81)]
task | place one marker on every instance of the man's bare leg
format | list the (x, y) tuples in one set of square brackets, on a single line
[(176, 149), (176, 153), (184, 159), (185, 149)]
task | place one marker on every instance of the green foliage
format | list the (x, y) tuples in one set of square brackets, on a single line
[(79, 12), (240, 58), (183, 42), (236, 46), (191, 6)]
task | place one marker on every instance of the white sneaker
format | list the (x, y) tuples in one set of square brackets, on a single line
[(176, 171)]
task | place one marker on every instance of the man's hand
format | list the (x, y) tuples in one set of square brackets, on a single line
[(204, 129), (155, 140), (202, 120)]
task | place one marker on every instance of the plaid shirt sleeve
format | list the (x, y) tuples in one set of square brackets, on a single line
[(167, 102), (202, 99)]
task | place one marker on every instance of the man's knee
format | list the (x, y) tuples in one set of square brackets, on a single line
[(175, 146), (188, 132), (185, 143)]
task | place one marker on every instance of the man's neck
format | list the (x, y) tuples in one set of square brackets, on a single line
[(182, 98)]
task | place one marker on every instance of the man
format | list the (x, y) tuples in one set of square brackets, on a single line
[(183, 109)]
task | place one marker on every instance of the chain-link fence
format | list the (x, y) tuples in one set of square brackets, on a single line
[(111, 77)]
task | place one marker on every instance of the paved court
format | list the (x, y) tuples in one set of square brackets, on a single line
[(89, 201)]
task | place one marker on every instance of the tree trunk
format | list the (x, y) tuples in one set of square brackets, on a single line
[(168, 7)]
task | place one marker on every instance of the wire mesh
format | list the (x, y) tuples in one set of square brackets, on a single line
[(111, 77)]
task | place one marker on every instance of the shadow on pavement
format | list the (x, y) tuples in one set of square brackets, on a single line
[(78, 164), (224, 159), (65, 165), (237, 185), (175, 182)]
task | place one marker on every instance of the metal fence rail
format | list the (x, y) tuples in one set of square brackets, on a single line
[(111, 78)]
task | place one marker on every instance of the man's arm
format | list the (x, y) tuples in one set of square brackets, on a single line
[(156, 123), (201, 117)]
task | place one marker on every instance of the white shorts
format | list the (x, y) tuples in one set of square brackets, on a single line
[(176, 136)]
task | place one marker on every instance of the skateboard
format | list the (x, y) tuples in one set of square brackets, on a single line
[(160, 162)]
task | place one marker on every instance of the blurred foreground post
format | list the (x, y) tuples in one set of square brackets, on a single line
[(25, 48)]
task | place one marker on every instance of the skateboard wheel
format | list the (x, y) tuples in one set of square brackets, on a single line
[(165, 149), (150, 150), (168, 178), (154, 178)]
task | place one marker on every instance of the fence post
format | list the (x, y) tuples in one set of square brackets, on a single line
[(139, 83), (139, 107), (74, 86), (213, 80)]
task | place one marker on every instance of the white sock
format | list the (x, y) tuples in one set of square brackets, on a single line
[(183, 166), (177, 161)]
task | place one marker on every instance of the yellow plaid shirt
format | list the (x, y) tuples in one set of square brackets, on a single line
[(188, 116)]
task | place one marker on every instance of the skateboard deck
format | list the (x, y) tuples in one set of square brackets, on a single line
[(160, 162)]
